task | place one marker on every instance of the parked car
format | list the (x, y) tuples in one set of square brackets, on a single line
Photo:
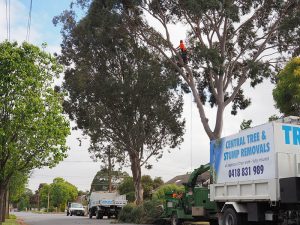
[(76, 209)]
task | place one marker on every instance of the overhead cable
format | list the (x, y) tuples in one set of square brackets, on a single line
[(29, 22), (9, 20), (6, 16)]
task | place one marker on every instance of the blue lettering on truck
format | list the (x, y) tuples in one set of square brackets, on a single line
[(291, 133)]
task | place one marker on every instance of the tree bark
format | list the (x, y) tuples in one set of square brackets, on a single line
[(137, 178), (2, 200), (7, 204), (3, 208), (4, 205), (219, 121)]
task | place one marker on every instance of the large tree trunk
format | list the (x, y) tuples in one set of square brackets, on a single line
[(137, 178), (2, 200), (4, 205)]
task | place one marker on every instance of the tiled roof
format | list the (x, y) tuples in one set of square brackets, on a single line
[(180, 179)]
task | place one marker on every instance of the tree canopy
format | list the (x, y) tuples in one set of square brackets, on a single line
[(102, 180), (162, 190), (33, 130), (287, 90), (126, 187), (228, 42), (59, 192), (120, 94)]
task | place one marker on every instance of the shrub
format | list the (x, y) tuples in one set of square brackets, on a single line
[(130, 196), (153, 210), (159, 194), (12, 216), (62, 207), (126, 213), (148, 212), (51, 209), (138, 214)]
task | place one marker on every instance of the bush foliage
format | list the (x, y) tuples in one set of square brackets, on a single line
[(159, 194), (148, 212)]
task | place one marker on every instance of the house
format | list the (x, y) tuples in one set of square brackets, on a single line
[(181, 179)]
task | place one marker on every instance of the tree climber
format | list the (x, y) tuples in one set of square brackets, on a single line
[(183, 51)]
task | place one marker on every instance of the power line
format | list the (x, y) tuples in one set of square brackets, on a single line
[(6, 16), (54, 175), (29, 22), (9, 20), (79, 161)]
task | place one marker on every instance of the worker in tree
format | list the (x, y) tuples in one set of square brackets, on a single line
[(183, 51)]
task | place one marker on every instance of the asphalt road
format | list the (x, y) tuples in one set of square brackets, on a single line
[(59, 219)]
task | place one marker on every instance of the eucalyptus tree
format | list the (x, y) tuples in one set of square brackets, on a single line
[(229, 43), (33, 129), (119, 92)]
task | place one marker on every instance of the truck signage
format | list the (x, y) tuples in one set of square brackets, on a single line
[(291, 134), (106, 202), (248, 155)]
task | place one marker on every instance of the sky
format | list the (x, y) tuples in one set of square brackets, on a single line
[(78, 168)]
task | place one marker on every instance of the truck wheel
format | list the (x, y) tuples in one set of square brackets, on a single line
[(175, 220), (230, 217), (99, 215)]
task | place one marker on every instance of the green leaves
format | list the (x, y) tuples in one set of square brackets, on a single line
[(120, 93), (229, 42), (60, 192), (33, 130), (287, 91)]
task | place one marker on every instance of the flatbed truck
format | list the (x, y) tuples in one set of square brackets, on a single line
[(102, 203)]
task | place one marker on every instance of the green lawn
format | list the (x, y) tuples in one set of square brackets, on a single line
[(10, 222)]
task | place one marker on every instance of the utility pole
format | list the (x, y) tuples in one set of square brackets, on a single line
[(38, 201), (109, 170), (48, 200)]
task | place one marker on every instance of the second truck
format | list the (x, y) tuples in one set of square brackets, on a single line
[(102, 203)]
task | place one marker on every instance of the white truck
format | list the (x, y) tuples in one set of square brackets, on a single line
[(101, 203), (256, 174)]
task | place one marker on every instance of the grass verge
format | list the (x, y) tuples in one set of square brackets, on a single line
[(13, 221), (10, 222)]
